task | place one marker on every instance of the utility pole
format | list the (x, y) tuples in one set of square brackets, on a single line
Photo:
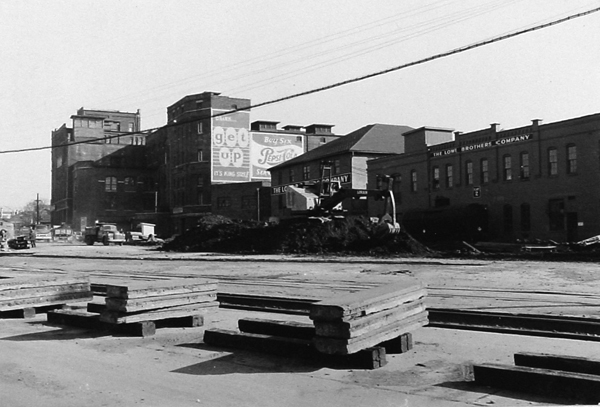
[(37, 209)]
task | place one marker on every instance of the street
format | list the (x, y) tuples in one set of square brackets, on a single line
[(68, 366)]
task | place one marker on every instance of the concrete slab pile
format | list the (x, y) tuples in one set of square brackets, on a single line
[(142, 303), (140, 307), (25, 295), (353, 322)]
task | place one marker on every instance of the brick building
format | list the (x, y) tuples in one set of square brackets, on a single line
[(99, 170), (532, 182)]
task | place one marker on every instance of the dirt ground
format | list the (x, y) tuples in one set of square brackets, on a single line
[(41, 364)]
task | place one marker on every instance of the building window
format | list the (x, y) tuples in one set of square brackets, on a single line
[(200, 155), (223, 202), (337, 167), (291, 179), (524, 173), (507, 168), (129, 183), (200, 129), (449, 176), (436, 178), (571, 159), (130, 127), (306, 172), (485, 171), (556, 214), (525, 217), (413, 181), (469, 172), (110, 184), (323, 140), (552, 161)]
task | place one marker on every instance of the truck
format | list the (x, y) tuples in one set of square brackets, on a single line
[(144, 232), (105, 233)]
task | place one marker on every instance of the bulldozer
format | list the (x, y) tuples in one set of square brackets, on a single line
[(322, 199)]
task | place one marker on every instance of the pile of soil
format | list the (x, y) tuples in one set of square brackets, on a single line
[(298, 236)]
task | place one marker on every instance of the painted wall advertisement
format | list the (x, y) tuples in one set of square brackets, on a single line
[(270, 149), (230, 147)]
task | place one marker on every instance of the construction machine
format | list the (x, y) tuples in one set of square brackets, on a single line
[(322, 199)]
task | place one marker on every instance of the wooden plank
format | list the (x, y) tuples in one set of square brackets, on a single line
[(558, 362), (258, 342), (400, 344), (77, 318), (145, 289), (360, 326), (288, 329), (42, 281), (61, 298), (155, 315), (366, 302), (43, 291), (337, 346), (144, 304), (576, 387)]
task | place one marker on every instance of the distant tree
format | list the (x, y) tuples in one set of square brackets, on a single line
[(29, 213)]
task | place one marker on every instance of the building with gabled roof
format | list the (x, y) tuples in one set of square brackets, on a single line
[(348, 156)]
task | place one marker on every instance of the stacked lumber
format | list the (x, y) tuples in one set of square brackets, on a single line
[(350, 323), (148, 301), (28, 293)]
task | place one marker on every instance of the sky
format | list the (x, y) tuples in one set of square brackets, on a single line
[(57, 56)]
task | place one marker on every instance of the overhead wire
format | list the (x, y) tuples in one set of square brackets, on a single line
[(341, 83)]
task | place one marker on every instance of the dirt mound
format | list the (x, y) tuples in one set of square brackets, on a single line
[(303, 236)]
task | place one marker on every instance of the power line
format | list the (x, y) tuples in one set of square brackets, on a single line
[(338, 84)]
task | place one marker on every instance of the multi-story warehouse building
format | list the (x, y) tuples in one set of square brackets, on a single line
[(99, 170), (532, 182)]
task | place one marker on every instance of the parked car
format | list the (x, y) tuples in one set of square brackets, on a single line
[(43, 233), (19, 242)]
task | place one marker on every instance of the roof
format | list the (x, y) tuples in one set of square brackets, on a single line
[(370, 139)]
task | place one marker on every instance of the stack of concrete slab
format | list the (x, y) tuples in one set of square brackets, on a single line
[(350, 323), (55, 290), (142, 301)]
